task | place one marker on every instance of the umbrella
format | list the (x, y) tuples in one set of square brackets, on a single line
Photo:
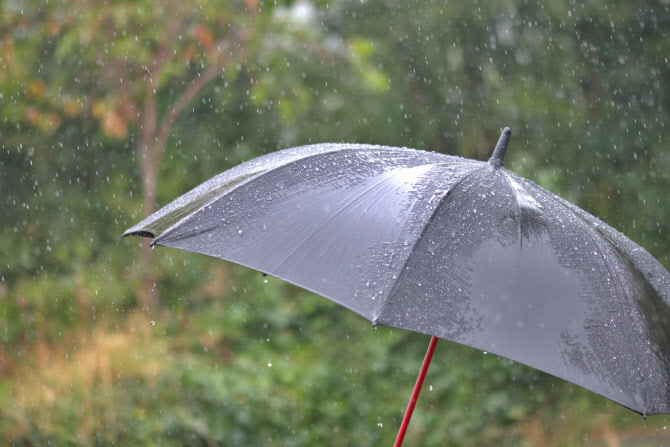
[(454, 248)]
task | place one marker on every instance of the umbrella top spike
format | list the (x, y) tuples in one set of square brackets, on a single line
[(498, 157)]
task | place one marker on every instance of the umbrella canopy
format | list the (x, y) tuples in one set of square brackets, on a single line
[(459, 249)]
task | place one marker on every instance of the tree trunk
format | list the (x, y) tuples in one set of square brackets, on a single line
[(154, 137), (148, 297)]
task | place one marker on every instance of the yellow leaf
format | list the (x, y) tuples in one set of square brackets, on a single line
[(36, 89), (52, 121), (32, 115), (204, 36), (114, 125), (72, 107), (99, 109)]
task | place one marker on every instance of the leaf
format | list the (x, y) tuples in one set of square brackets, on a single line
[(114, 125), (204, 36), (67, 43)]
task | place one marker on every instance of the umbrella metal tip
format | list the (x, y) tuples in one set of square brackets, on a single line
[(498, 157)]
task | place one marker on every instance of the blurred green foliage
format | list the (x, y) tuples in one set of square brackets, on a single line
[(89, 91)]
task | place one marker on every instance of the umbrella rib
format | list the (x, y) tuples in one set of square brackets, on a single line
[(423, 232), (518, 208), (185, 235)]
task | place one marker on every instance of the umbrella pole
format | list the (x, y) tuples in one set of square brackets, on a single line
[(415, 393)]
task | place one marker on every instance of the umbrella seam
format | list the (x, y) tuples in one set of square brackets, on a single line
[(590, 231), (518, 208), (418, 239)]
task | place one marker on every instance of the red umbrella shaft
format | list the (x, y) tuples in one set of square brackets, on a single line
[(415, 393)]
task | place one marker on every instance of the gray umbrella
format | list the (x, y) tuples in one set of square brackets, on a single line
[(455, 248)]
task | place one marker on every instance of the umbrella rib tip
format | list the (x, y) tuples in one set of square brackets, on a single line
[(498, 157)]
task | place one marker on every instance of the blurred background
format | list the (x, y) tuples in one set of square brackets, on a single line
[(109, 110)]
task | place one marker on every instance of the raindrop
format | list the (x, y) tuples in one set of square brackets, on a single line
[(380, 425), (153, 323), (240, 232), (270, 365)]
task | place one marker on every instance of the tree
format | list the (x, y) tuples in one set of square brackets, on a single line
[(129, 70)]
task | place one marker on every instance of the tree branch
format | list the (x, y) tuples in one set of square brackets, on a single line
[(163, 53), (166, 123)]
